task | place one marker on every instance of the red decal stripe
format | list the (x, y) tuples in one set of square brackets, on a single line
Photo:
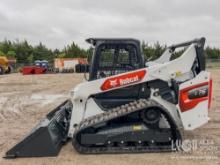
[(123, 80)]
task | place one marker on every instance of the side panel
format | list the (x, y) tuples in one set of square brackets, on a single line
[(92, 108), (165, 57), (84, 105), (194, 100), (171, 108)]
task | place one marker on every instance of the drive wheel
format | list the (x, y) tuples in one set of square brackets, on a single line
[(152, 120), (9, 69), (151, 117)]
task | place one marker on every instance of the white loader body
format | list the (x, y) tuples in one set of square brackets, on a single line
[(163, 69)]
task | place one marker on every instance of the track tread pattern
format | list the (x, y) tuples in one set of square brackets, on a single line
[(115, 113)]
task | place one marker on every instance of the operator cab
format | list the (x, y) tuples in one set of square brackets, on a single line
[(112, 57)]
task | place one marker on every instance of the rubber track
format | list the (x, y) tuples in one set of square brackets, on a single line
[(115, 113)]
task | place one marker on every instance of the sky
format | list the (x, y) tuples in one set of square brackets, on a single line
[(57, 23)]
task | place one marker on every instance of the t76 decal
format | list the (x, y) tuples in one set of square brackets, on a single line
[(123, 80), (191, 96)]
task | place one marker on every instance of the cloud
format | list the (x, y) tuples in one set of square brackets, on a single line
[(57, 23)]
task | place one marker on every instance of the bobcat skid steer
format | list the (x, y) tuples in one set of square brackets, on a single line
[(127, 105)]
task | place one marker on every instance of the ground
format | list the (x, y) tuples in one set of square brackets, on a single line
[(24, 100)]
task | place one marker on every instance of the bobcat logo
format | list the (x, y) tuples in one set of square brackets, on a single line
[(123, 80), (113, 83)]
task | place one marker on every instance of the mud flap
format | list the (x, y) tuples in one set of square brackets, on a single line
[(47, 138)]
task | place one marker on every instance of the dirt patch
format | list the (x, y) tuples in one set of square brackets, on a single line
[(24, 100)]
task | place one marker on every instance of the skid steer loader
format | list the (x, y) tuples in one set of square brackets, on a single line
[(127, 105)]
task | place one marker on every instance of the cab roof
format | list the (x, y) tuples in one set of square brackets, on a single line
[(94, 41)]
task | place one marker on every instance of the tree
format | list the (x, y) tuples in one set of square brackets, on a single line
[(159, 49), (41, 52), (24, 52), (73, 50), (11, 53), (89, 53), (56, 52), (30, 59), (1, 53), (5, 46), (62, 55), (213, 53), (152, 52)]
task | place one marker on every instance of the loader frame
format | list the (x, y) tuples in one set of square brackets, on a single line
[(163, 69)]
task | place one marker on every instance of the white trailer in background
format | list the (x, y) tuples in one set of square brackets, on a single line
[(63, 65), (70, 65)]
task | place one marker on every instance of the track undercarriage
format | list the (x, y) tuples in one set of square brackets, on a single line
[(123, 129)]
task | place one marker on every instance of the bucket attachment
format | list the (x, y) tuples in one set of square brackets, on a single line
[(47, 138)]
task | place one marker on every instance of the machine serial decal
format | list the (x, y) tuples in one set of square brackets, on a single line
[(123, 80)]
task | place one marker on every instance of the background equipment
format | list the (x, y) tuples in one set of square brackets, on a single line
[(4, 65)]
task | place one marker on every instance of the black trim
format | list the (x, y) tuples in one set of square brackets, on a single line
[(199, 41), (200, 55), (130, 136)]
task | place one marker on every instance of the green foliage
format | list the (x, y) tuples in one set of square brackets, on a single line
[(56, 52), (213, 53), (30, 59), (11, 53), (62, 55), (152, 52), (89, 53), (1, 53), (41, 52), (26, 53), (5, 46), (73, 50)]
